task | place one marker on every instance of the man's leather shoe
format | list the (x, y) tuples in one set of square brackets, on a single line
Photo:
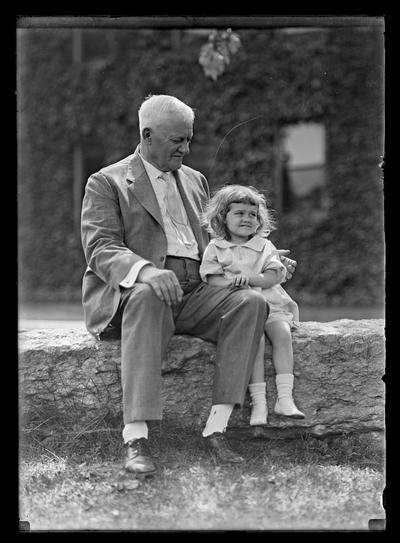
[(218, 446), (138, 458)]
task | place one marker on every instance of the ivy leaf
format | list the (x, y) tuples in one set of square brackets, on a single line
[(212, 61), (232, 41), (216, 54)]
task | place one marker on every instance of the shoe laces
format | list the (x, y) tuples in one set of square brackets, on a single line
[(141, 446)]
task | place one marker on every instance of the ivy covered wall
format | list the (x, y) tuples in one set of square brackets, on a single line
[(277, 78)]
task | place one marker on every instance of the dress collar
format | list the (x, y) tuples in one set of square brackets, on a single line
[(256, 243)]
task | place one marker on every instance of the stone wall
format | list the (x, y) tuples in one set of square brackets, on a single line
[(339, 367)]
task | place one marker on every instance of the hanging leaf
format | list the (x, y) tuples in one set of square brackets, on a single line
[(216, 54)]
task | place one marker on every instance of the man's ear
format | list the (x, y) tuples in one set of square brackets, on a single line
[(146, 134)]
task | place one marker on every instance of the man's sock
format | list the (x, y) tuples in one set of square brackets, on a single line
[(135, 430), (259, 409), (218, 418)]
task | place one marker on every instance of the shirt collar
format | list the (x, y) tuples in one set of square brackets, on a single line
[(256, 243), (151, 170)]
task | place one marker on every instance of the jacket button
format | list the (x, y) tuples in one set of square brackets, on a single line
[(162, 258)]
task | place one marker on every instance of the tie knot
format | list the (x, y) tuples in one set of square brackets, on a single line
[(164, 176)]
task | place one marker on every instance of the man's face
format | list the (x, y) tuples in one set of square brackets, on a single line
[(168, 142)]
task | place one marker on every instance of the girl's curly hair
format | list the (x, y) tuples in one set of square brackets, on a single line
[(214, 215)]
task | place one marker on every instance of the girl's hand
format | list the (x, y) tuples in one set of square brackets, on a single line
[(240, 281)]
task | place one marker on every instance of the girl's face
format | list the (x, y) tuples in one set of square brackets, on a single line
[(241, 221)]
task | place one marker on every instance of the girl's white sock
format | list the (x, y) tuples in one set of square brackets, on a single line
[(135, 430), (285, 404), (218, 418), (284, 385), (259, 409)]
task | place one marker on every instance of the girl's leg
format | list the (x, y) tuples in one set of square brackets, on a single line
[(280, 336), (257, 387)]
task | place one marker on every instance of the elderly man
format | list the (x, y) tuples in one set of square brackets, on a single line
[(143, 244)]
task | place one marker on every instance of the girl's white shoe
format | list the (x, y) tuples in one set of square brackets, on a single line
[(286, 407), (259, 414)]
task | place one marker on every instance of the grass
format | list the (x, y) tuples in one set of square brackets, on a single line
[(70, 481)]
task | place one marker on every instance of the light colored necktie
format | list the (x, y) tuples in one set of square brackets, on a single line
[(173, 204), (176, 212)]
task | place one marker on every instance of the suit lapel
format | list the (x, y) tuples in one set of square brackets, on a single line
[(141, 187), (190, 210)]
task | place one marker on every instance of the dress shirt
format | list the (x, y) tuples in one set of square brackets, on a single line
[(179, 234)]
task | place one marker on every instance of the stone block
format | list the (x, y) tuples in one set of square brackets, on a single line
[(339, 366)]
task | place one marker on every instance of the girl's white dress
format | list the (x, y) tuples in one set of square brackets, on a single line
[(257, 255)]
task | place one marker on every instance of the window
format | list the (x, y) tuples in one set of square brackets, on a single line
[(304, 164)]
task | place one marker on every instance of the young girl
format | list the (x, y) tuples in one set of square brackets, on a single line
[(240, 256)]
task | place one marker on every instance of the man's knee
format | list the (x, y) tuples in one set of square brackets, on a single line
[(142, 294), (143, 308), (254, 301), (255, 298)]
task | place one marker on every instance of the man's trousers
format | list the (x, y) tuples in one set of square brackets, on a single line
[(234, 319)]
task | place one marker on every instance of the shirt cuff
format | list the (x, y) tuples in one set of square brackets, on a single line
[(130, 279)]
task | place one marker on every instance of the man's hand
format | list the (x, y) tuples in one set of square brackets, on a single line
[(289, 264), (164, 283)]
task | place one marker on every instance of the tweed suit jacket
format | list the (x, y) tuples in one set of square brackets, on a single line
[(122, 224)]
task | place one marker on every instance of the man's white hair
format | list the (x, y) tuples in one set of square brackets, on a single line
[(154, 107)]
